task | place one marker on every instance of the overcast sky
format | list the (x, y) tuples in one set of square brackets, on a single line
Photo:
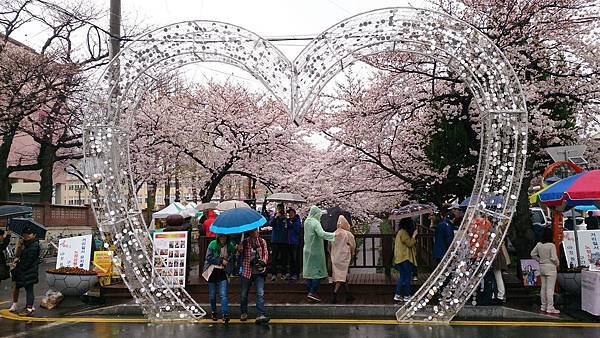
[(267, 18)]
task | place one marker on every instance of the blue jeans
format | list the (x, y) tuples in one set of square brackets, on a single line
[(259, 281), (312, 285), (212, 296), (403, 283)]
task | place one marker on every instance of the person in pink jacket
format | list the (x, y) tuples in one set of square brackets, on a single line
[(342, 251)]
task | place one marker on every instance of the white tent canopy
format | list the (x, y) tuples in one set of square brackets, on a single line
[(172, 209)]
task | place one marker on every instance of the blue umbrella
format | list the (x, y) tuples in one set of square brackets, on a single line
[(238, 220), (491, 200)]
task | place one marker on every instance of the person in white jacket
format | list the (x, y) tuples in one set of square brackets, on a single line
[(545, 253)]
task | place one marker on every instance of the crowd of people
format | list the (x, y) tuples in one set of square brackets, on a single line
[(250, 257), (289, 235), (293, 244)]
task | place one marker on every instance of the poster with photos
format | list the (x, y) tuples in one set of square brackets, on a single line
[(170, 249)]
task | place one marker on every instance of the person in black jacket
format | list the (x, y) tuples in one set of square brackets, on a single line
[(4, 242), (25, 274)]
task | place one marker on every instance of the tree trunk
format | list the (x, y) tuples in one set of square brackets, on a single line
[(207, 192), (47, 158), (177, 191), (150, 198), (520, 232), (5, 186), (168, 191)]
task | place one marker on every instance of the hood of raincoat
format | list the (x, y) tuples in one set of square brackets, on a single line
[(315, 213), (343, 223)]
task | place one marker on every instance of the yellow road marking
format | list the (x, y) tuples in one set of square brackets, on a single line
[(8, 315)]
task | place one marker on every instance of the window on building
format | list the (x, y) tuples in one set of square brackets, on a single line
[(76, 186), (74, 200)]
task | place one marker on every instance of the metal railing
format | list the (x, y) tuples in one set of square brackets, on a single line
[(372, 250)]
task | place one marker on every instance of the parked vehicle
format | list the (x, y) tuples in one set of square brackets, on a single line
[(540, 222), (568, 222)]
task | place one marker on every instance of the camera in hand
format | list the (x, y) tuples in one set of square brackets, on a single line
[(258, 265)]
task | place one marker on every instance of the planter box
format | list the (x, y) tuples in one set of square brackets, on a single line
[(70, 284), (569, 282)]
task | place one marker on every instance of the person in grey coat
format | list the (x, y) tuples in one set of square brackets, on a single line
[(545, 253)]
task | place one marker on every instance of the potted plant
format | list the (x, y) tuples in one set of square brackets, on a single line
[(71, 281)]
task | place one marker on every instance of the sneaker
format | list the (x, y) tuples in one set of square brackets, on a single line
[(13, 308), (406, 298), (225, 319), (213, 316), (285, 277), (415, 278), (543, 308), (397, 298), (262, 319), (273, 278), (313, 297), (552, 310), (27, 312), (243, 317)]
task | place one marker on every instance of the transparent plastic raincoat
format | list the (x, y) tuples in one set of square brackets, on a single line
[(314, 266)]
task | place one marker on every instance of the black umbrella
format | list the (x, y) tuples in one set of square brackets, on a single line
[(14, 210), (17, 225), (329, 219)]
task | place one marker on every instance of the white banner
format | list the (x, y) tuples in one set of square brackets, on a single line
[(590, 291), (589, 248), (170, 250), (74, 252)]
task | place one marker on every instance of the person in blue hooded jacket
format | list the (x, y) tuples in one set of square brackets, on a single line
[(294, 225), (444, 234), (279, 244)]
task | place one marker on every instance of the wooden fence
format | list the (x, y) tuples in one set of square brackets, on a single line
[(52, 215)]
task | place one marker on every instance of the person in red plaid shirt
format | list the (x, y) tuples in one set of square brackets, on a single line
[(255, 255)]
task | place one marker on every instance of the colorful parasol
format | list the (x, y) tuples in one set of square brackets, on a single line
[(580, 189)]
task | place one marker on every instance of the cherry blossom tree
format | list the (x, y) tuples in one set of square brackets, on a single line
[(43, 87), (210, 132), (417, 122)]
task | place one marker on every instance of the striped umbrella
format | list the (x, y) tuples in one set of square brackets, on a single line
[(580, 189)]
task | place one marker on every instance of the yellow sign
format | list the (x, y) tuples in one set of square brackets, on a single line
[(103, 262)]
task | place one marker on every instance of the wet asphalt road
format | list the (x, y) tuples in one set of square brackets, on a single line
[(106, 330)]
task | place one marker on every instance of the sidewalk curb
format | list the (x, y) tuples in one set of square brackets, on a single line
[(488, 313)]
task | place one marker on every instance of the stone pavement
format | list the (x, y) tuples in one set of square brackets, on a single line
[(118, 306)]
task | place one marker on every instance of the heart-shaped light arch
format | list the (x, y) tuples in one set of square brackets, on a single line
[(297, 84)]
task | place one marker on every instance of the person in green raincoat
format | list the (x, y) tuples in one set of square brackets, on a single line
[(314, 267)]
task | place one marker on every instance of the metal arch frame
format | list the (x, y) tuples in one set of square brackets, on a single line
[(481, 64)]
